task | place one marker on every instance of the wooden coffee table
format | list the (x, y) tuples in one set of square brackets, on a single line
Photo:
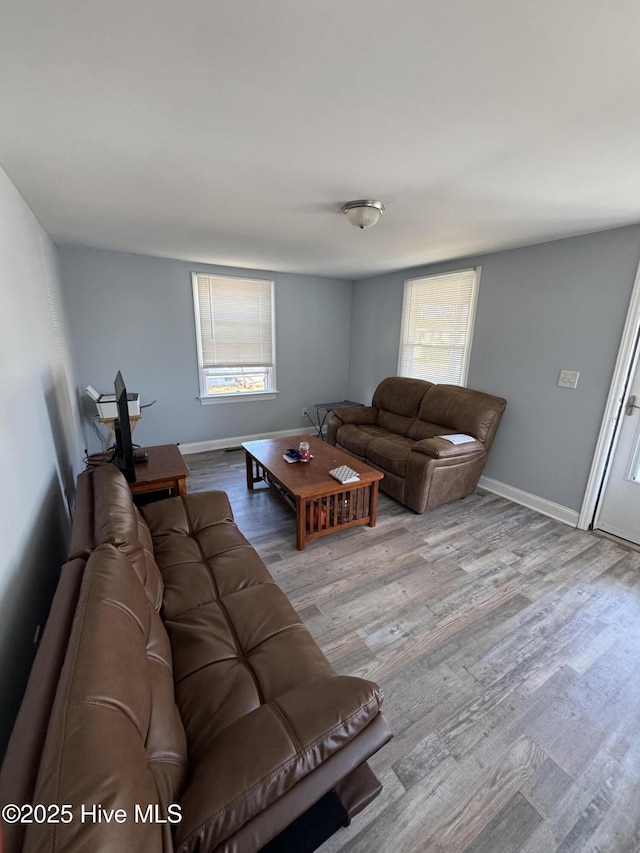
[(322, 505)]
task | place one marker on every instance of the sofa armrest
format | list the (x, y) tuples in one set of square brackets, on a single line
[(356, 414), (254, 761), (440, 448)]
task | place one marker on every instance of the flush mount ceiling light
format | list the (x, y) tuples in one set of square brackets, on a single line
[(363, 213)]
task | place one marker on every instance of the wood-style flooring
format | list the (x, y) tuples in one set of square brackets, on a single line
[(508, 649)]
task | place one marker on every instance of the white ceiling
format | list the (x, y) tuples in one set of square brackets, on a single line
[(232, 131)]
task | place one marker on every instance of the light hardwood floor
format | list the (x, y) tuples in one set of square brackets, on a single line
[(508, 649)]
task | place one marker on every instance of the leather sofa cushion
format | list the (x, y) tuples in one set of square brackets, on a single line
[(195, 537), (400, 395), (393, 422), (355, 438), (419, 430), (117, 521), (236, 639), (460, 410), (295, 734), (398, 402), (390, 453), (115, 736)]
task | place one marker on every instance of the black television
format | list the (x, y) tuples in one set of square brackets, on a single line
[(123, 456)]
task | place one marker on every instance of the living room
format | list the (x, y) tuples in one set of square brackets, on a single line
[(76, 309)]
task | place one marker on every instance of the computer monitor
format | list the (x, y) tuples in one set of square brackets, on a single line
[(123, 456)]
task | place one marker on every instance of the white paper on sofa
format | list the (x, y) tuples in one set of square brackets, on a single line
[(457, 438)]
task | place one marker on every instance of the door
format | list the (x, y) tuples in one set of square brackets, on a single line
[(619, 512)]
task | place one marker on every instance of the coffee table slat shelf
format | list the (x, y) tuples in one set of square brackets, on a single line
[(322, 505)]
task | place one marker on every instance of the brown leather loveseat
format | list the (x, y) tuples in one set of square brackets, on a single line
[(177, 703), (398, 435)]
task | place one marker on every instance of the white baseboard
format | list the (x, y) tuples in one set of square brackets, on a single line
[(553, 510), (236, 441)]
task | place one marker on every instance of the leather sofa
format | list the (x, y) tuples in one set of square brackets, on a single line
[(176, 702), (399, 435)]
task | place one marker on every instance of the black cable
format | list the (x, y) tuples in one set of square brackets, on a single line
[(98, 433)]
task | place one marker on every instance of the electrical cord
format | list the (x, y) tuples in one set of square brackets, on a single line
[(316, 426), (98, 433)]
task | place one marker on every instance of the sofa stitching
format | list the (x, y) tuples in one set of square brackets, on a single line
[(152, 656), (118, 605), (284, 722), (167, 566), (296, 625), (191, 532)]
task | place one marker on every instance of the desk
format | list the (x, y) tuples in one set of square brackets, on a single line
[(329, 407), (165, 470)]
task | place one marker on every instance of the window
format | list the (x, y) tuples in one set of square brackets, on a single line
[(235, 337), (437, 326)]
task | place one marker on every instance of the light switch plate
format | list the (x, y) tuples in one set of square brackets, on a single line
[(568, 378)]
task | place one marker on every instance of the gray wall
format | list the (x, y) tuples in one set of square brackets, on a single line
[(556, 305), (135, 313), (40, 450)]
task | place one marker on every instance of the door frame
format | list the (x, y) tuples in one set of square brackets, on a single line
[(624, 370)]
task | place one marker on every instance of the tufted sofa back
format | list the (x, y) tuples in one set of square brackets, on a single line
[(116, 689), (458, 410), (398, 401), (418, 409), (109, 517)]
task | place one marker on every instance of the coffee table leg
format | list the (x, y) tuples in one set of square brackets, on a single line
[(373, 504), (301, 523), (249, 464)]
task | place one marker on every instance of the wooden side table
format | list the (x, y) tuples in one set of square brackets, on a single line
[(165, 470)]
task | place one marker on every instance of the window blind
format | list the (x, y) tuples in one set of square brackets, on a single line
[(235, 317), (437, 326)]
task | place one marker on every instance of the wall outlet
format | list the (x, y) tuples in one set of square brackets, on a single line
[(305, 411), (568, 378)]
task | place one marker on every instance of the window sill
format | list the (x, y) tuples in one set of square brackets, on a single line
[(237, 398)]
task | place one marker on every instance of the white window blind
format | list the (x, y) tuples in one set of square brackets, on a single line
[(235, 321), (235, 337), (437, 326)]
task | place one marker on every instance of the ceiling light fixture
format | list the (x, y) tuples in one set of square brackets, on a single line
[(363, 213)]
